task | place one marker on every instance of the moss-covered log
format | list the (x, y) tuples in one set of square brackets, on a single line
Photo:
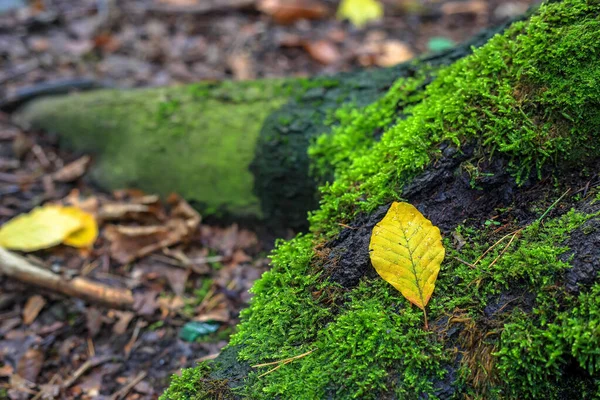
[(232, 148), (501, 152)]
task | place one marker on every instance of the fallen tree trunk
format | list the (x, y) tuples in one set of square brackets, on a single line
[(235, 148), (501, 153)]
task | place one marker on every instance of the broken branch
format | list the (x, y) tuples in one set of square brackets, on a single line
[(19, 268)]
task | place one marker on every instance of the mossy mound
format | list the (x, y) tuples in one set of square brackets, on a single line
[(500, 151)]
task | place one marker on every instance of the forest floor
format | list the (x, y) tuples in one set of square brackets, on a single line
[(188, 295)]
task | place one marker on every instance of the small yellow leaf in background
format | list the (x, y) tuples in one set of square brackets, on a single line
[(49, 226), (406, 251), (359, 12)]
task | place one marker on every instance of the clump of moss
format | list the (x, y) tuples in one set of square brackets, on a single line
[(529, 94), (355, 129), (195, 384)]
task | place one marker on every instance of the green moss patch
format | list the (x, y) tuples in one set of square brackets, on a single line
[(504, 325)]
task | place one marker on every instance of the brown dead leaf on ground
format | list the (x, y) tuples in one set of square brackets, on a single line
[(169, 306), (476, 8), (89, 204), (73, 170), (393, 52), (32, 308), (220, 314), (286, 12), (131, 242), (242, 66), (323, 51), (6, 370), (30, 364), (123, 320)]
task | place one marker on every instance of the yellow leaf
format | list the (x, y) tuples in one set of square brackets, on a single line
[(359, 12), (406, 250), (87, 234), (45, 227)]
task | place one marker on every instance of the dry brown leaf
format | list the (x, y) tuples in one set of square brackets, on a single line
[(32, 308), (323, 51), (393, 52), (89, 205), (170, 305), (242, 66), (288, 11), (477, 8), (131, 242), (116, 211), (219, 315), (72, 171), (30, 364), (124, 318), (6, 370)]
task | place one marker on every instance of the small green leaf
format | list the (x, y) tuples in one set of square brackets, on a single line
[(194, 329)]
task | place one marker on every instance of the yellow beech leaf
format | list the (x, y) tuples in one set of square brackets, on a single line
[(406, 250), (46, 227), (87, 234), (359, 12)]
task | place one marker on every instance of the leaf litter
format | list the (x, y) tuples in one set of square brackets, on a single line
[(188, 279)]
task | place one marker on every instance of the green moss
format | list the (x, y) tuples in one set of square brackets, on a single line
[(194, 384), (510, 97), (368, 342), (355, 128), (530, 94), (361, 354), (196, 140), (535, 350)]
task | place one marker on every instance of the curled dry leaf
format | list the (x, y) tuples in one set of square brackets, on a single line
[(116, 211), (72, 171), (288, 11)]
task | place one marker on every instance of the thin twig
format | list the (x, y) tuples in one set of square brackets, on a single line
[(89, 364), (505, 248), (464, 262), (553, 205), (125, 389), (492, 247), (280, 362)]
